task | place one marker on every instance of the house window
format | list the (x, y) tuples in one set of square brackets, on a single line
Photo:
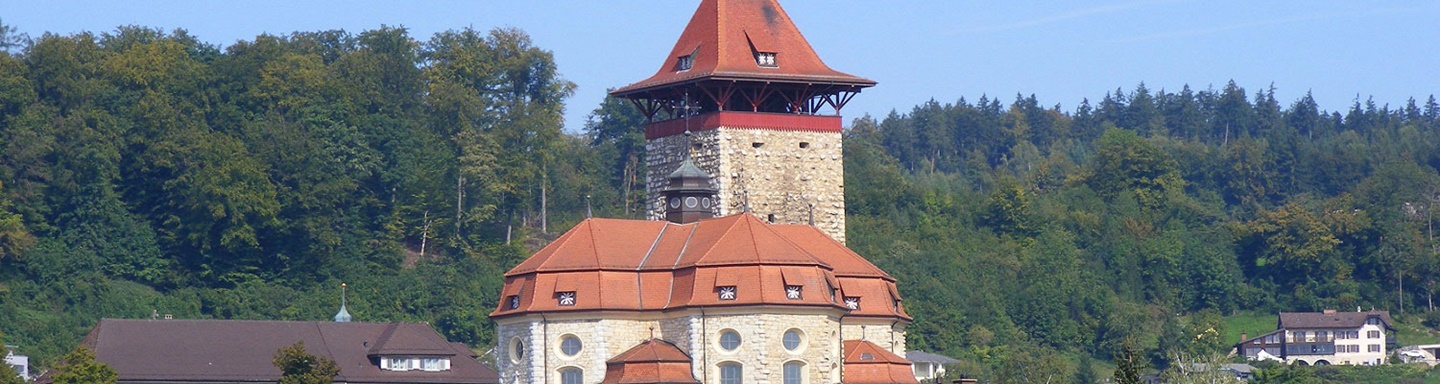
[(572, 376), (398, 364), (867, 356), (570, 345), (1373, 334), (1321, 335), (729, 340), (731, 373), (1354, 348), (514, 301), (792, 292), (793, 372), (433, 364), (685, 62), (727, 292), (852, 302), (1374, 347), (1372, 321), (567, 299), (766, 59)]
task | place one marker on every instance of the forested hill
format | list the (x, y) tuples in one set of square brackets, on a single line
[(143, 171)]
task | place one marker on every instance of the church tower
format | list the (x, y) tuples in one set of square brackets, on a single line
[(763, 111)]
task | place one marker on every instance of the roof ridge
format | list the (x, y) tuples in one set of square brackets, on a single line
[(670, 297), (340, 375)]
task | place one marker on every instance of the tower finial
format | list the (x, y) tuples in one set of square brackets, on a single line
[(343, 316)]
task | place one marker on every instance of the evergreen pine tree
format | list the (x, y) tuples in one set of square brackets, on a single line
[(1128, 364)]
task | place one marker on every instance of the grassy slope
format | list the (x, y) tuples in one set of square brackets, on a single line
[(1251, 324)]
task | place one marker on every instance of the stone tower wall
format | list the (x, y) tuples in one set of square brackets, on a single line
[(787, 175)]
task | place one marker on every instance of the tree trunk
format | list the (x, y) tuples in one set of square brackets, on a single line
[(424, 233), (459, 202)]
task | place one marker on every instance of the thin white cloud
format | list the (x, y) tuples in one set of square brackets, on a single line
[(1194, 32), (1070, 15)]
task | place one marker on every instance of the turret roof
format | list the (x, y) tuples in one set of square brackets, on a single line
[(723, 39)]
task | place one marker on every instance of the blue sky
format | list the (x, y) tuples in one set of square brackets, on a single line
[(1061, 52)]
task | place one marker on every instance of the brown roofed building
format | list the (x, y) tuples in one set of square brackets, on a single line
[(242, 351), (1324, 338)]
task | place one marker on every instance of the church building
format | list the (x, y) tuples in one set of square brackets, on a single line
[(741, 274)]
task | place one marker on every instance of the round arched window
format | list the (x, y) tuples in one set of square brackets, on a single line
[(517, 349), (729, 340), (793, 340), (572, 376), (570, 345)]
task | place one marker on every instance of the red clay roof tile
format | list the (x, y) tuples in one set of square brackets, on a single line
[(724, 37), (867, 363), (653, 265)]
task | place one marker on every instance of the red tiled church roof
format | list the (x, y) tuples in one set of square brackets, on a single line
[(635, 265), (652, 362), (725, 35), (867, 363)]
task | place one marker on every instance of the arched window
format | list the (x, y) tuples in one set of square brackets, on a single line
[(572, 376), (731, 373), (794, 372)]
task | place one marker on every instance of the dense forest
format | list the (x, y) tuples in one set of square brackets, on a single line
[(146, 172)]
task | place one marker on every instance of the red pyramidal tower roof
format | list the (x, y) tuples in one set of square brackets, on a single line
[(724, 41)]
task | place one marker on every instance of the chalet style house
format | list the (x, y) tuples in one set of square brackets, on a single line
[(742, 277), (1324, 338), (240, 351)]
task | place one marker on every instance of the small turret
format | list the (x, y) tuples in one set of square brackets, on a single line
[(689, 197), (343, 316)]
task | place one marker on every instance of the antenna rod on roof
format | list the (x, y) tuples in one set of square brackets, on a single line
[(587, 207)]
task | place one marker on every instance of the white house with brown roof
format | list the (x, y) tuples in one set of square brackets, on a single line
[(1324, 338)]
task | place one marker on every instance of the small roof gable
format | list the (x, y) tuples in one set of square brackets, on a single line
[(1302, 320), (410, 339), (651, 351), (723, 39), (867, 363), (653, 361)]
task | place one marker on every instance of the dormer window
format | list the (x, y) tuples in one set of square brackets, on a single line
[(727, 292), (514, 301), (411, 363), (685, 62), (766, 59), (852, 302), (566, 299), (792, 292)]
